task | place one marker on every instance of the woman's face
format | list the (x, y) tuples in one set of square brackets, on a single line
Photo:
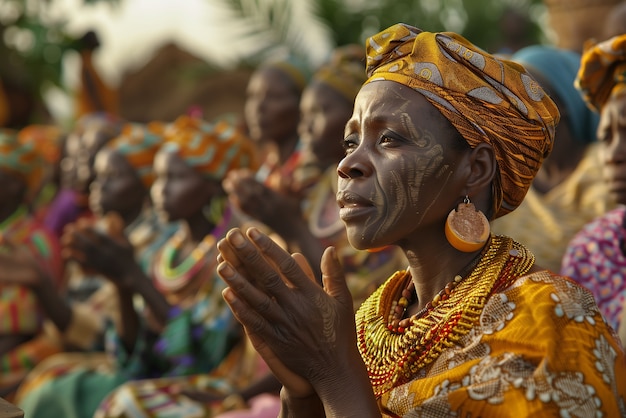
[(116, 187), (179, 192), (323, 116), (271, 109), (612, 135), (403, 170)]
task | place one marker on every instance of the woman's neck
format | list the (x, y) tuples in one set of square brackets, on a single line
[(286, 147), (199, 226), (432, 267)]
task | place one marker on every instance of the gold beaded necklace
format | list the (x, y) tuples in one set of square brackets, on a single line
[(394, 357)]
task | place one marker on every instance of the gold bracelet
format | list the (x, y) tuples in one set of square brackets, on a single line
[(233, 402)]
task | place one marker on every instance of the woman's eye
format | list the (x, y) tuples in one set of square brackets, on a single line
[(349, 143)]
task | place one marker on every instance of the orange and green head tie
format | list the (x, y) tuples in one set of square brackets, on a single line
[(20, 159), (602, 72), (344, 72), (138, 145), (486, 99), (213, 149)]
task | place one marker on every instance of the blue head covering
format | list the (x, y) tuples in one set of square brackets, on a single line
[(559, 68)]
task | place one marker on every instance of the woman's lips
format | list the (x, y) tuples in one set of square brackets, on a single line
[(353, 205)]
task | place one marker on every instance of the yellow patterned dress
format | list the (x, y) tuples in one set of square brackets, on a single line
[(501, 344)]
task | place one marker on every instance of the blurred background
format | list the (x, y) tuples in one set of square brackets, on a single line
[(165, 57)]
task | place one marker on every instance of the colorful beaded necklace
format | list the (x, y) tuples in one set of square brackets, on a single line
[(171, 278), (393, 357)]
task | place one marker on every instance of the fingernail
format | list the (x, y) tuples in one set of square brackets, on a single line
[(254, 233), (225, 271), (229, 295), (237, 239)]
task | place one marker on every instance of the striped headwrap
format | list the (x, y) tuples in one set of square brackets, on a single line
[(603, 72), (47, 140), (559, 68), (486, 99), (21, 159), (211, 148), (138, 144), (345, 71), (298, 71)]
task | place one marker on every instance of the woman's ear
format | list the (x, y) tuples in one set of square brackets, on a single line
[(482, 161)]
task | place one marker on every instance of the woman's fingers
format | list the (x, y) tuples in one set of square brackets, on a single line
[(252, 307), (287, 266), (334, 279)]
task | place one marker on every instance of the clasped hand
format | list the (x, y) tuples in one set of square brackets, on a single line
[(304, 332), (104, 252)]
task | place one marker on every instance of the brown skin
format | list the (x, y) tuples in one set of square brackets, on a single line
[(116, 187), (179, 193), (612, 135), (405, 169), (272, 116), (323, 115)]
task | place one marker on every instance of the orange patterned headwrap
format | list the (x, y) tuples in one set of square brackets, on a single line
[(486, 99), (21, 159), (603, 72), (138, 145), (345, 71), (211, 148)]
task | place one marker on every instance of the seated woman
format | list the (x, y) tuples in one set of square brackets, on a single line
[(596, 256), (443, 137), (184, 327), (23, 240), (82, 144)]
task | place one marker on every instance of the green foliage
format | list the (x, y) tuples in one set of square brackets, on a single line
[(352, 21), (32, 46)]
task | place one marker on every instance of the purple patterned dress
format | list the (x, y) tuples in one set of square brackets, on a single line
[(594, 259)]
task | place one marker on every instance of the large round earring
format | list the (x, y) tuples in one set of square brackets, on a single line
[(467, 229)]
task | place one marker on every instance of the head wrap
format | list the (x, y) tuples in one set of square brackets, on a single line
[(603, 71), (559, 67), (213, 149), (21, 159), (138, 145), (46, 139), (345, 71), (484, 98), (298, 71)]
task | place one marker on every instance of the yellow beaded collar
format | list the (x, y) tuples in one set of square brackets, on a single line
[(395, 358)]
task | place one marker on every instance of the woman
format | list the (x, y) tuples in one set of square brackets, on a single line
[(596, 256), (567, 191), (23, 239), (184, 327), (473, 327), (271, 115), (71, 203)]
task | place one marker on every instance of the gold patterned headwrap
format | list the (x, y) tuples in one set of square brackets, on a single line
[(486, 99), (345, 71), (213, 149), (603, 72), (138, 145)]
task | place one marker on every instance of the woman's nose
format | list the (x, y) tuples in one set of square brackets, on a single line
[(352, 167)]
